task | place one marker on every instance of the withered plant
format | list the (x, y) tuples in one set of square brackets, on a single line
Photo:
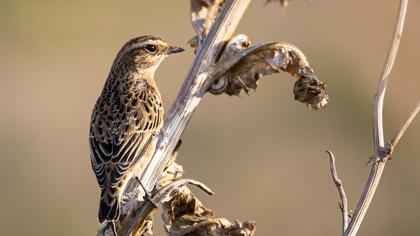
[(228, 64)]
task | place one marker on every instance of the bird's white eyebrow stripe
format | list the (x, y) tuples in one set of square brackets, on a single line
[(140, 44)]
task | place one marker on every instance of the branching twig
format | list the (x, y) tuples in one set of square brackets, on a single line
[(378, 133), (164, 191), (381, 152), (337, 181)]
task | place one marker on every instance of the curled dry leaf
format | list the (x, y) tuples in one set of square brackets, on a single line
[(241, 66), (184, 214), (203, 14)]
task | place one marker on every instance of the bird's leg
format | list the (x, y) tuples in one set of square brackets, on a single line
[(147, 195), (111, 224)]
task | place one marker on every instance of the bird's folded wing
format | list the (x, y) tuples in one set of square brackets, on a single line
[(118, 157)]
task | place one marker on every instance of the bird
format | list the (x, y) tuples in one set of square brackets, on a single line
[(125, 120)]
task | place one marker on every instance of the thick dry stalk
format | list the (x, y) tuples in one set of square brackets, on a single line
[(378, 133), (339, 185), (193, 88)]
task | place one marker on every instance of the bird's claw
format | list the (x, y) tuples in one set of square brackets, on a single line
[(125, 199), (147, 196)]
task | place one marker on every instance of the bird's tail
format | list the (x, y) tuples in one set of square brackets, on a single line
[(109, 208)]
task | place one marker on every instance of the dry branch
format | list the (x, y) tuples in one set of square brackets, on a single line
[(193, 88), (381, 151), (394, 141), (339, 185), (378, 134)]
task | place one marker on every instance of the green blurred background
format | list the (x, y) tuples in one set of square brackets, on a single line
[(263, 154)]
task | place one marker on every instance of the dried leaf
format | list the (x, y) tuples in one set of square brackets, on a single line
[(242, 66), (184, 214), (172, 173), (203, 15), (235, 45)]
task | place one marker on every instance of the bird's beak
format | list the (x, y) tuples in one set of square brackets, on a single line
[(175, 49)]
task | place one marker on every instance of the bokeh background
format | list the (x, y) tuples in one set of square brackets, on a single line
[(263, 154)]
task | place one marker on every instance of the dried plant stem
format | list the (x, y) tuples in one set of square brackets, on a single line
[(378, 133), (394, 141), (186, 102), (193, 88), (337, 181)]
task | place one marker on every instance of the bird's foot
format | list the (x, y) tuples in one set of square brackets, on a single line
[(147, 196), (129, 200), (125, 199)]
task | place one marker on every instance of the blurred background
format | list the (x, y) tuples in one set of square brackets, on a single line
[(263, 154)]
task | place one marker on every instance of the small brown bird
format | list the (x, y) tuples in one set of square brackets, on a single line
[(126, 117)]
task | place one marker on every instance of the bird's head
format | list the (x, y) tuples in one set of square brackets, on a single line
[(145, 53)]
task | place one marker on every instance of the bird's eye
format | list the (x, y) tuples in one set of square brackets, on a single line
[(150, 48)]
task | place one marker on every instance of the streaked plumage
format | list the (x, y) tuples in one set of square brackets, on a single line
[(126, 117)]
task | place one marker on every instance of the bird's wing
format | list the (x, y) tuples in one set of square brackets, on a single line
[(120, 142), (110, 168)]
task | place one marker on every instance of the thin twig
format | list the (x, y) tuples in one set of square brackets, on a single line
[(394, 141), (337, 181), (164, 191), (378, 134)]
